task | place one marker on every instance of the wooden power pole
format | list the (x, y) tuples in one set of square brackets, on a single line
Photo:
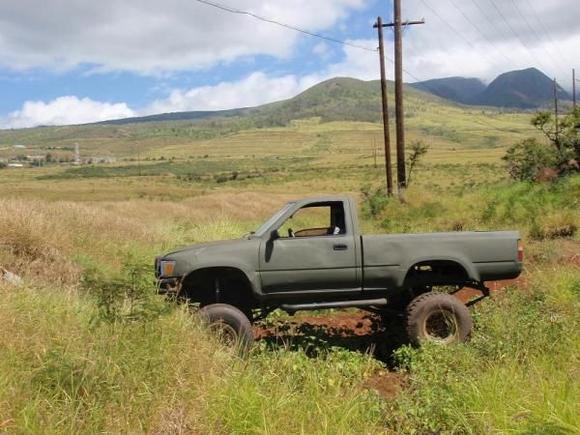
[(556, 125), (574, 88), (387, 136), (399, 108)]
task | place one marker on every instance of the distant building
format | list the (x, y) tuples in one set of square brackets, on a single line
[(15, 165), (19, 147)]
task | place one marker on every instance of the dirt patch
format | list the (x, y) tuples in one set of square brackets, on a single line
[(387, 384), (570, 252), (342, 324), (353, 330)]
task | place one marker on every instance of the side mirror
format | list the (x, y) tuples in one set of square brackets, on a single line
[(274, 235)]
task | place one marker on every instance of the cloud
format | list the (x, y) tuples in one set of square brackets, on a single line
[(152, 36), (363, 65), (65, 111), (260, 88), (255, 89), (484, 38)]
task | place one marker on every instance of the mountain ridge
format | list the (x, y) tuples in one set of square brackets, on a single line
[(350, 99), (527, 88)]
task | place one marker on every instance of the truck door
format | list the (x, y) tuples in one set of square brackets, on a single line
[(314, 250)]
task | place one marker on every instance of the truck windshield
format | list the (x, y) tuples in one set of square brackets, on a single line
[(266, 225)]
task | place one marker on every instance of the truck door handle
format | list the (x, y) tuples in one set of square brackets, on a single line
[(340, 247)]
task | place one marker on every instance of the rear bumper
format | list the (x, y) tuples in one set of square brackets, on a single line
[(499, 270)]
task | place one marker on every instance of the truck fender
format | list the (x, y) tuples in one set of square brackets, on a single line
[(469, 268), (251, 275)]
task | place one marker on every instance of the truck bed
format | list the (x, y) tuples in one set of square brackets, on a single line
[(484, 255)]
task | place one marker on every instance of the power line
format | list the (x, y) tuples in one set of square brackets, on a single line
[(476, 27), (298, 29), (287, 26), (334, 40), (534, 32), (544, 28), (516, 34), (453, 29), (482, 11)]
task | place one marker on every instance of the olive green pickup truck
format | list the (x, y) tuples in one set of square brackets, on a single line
[(311, 255)]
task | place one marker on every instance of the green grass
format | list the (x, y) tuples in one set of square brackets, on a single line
[(518, 373)]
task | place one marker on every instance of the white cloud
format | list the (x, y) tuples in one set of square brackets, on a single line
[(65, 111), (152, 36), (495, 37), (255, 89), (322, 50), (260, 88), (363, 65)]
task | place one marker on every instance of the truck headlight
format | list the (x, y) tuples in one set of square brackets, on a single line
[(166, 267)]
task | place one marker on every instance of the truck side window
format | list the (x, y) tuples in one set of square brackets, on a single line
[(315, 220)]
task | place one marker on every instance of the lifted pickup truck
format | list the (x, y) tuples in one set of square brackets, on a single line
[(324, 262)]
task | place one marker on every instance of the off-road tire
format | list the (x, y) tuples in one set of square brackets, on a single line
[(438, 317), (229, 320)]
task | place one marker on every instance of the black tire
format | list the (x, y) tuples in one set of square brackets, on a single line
[(230, 324), (438, 317)]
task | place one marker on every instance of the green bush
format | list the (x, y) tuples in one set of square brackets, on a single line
[(128, 296), (375, 201), (525, 159)]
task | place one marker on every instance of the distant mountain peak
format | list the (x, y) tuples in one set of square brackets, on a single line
[(459, 89), (527, 88)]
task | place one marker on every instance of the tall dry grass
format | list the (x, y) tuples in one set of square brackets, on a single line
[(52, 241)]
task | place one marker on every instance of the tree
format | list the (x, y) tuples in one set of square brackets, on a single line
[(564, 137), (528, 157), (418, 151), (561, 152)]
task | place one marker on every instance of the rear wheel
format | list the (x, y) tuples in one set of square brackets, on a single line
[(229, 325), (439, 318)]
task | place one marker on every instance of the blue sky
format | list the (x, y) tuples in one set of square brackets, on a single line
[(83, 61)]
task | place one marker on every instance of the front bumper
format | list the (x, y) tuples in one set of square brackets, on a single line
[(168, 285)]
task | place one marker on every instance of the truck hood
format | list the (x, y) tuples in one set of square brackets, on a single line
[(200, 248), (240, 253)]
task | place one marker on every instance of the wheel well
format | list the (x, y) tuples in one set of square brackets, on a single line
[(219, 285), (436, 272)]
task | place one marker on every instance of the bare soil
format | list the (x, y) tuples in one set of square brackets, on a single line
[(386, 383)]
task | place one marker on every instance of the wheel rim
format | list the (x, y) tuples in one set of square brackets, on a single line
[(225, 333), (441, 327)]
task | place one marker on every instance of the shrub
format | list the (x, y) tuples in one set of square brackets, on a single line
[(126, 297), (527, 158), (375, 201)]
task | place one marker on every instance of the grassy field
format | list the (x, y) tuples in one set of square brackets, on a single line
[(86, 346)]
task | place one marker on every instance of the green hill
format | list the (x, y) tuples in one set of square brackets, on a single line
[(339, 112)]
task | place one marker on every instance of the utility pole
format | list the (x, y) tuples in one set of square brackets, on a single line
[(138, 159), (557, 127), (574, 88), (400, 113), (387, 136)]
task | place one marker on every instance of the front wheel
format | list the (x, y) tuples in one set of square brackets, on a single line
[(230, 325), (439, 318)]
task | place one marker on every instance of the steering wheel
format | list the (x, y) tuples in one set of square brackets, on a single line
[(290, 233)]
